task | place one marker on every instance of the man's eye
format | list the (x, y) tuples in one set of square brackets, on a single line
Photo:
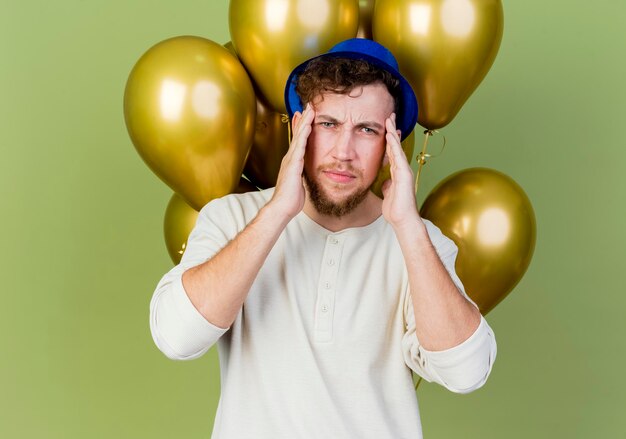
[(327, 124), (368, 130)]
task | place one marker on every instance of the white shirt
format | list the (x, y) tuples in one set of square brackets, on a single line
[(325, 342)]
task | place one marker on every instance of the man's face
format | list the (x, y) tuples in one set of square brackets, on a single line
[(346, 147)]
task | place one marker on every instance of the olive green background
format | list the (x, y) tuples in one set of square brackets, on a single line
[(82, 245)]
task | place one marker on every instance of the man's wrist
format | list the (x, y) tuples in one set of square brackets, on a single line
[(275, 210), (410, 222)]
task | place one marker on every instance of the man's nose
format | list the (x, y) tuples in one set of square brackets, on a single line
[(343, 148)]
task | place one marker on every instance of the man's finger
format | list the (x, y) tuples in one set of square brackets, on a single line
[(306, 118), (393, 146), (390, 127), (296, 124), (301, 134)]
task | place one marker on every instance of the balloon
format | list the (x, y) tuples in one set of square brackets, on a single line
[(444, 48), (384, 174), (190, 110), (366, 8), (492, 222), (270, 144), (180, 219), (272, 37)]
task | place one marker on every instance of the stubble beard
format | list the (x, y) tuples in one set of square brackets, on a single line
[(325, 206)]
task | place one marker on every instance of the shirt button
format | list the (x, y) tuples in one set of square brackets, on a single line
[(324, 308), (334, 240), (331, 262), (327, 285)]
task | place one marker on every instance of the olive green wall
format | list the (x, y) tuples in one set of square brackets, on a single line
[(82, 246)]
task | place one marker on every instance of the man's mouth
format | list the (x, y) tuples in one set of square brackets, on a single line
[(339, 176)]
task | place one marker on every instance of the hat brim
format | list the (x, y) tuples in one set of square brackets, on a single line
[(407, 111)]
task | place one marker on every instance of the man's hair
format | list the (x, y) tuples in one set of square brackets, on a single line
[(342, 75)]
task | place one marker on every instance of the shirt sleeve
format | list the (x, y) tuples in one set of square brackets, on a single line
[(462, 368), (178, 329)]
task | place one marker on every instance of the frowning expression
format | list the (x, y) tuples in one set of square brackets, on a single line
[(347, 143)]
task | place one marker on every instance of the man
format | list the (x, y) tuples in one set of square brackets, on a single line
[(321, 296)]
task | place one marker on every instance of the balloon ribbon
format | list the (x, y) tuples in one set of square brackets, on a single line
[(422, 156), (284, 118), (417, 384)]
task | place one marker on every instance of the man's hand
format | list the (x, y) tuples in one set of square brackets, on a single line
[(399, 206), (443, 317), (211, 286), (289, 194)]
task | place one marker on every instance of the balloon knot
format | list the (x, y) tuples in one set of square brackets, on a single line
[(421, 158)]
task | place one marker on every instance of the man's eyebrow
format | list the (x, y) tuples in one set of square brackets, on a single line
[(370, 124), (364, 124), (327, 118)]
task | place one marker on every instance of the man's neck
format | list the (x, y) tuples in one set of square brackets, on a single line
[(365, 213)]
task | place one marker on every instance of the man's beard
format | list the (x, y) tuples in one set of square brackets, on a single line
[(325, 206)]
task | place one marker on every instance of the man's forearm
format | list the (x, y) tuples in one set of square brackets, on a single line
[(219, 286), (444, 318)]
